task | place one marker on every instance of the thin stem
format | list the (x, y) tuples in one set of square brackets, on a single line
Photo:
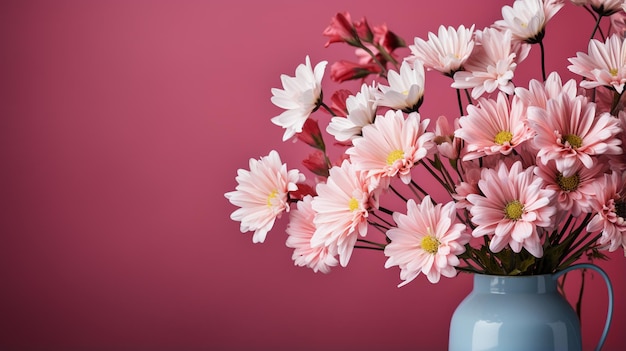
[(458, 97), (397, 193), (543, 60), (322, 104)]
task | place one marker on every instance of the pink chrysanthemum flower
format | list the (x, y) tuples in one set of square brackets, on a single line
[(493, 127), (512, 206), (568, 131), (300, 230), (406, 89), (538, 93), (610, 205), (573, 193), (342, 208), (262, 194), (445, 52), (391, 146), (299, 97), (427, 240), (491, 65), (361, 112), (527, 18), (603, 65)]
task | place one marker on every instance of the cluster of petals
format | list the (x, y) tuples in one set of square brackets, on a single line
[(602, 7), (391, 146), (610, 206), (299, 97), (492, 64), (405, 90), (262, 194), (445, 52), (574, 193), (493, 127), (361, 110), (568, 131), (341, 210), (511, 207), (340, 29), (448, 145), (427, 240), (300, 230), (527, 18), (604, 64), (538, 93)]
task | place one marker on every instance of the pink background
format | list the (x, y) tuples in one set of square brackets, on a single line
[(123, 124)]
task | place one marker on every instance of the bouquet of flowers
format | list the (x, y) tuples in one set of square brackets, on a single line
[(527, 180)]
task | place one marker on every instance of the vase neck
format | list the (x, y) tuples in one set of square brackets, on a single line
[(495, 284)]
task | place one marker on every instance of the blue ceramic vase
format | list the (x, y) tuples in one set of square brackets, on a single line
[(510, 313)]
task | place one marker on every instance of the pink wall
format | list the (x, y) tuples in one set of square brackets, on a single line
[(123, 124)]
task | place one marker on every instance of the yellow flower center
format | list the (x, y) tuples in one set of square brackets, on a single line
[(394, 156), (514, 210), (353, 204), (271, 197), (503, 137), (430, 244), (613, 71), (574, 140), (568, 183)]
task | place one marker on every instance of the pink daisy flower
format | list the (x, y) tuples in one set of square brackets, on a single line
[(448, 145), (300, 230), (492, 64), (299, 97), (568, 131), (602, 7), (445, 52), (262, 194), (428, 240), (341, 208), (538, 93), (574, 192), (603, 65), (493, 127), (512, 206), (610, 204), (391, 146)]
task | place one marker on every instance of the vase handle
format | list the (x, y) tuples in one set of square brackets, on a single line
[(609, 313)]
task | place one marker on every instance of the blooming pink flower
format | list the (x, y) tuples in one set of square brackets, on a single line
[(493, 127), (391, 146), (512, 206), (527, 18), (492, 64), (603, 65), (445, 52), (299, 97), (342, 207), (568, 131), (538, 93), (610, 205), (575, 192), (427, 240), (262, 194), (340, 30), (361, 110), (406, 89), (300, 230)]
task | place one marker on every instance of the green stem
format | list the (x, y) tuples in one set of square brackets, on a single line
[(543, 60)]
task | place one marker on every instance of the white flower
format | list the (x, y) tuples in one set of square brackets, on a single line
[(361, 112), (406, 89), (299, 97)]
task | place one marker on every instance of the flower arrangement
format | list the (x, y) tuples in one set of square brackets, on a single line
[(528, 180)]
